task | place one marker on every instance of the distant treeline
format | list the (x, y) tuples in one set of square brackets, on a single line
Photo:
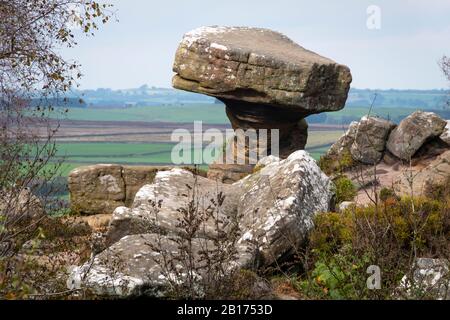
[(59, 102), (152, 96), (350, 114), (423, 99)]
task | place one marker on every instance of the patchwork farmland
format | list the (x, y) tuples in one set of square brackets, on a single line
[(142, 135)]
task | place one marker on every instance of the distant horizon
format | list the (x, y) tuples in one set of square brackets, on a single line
[(355, 88), (397, 47)]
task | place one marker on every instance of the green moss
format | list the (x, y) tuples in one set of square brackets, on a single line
[(336, 163)]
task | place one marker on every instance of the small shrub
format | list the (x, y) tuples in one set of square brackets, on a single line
[(343, 245), (345, 189), (386, 194)]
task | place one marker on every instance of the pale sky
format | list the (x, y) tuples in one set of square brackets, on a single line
[(402, 54)]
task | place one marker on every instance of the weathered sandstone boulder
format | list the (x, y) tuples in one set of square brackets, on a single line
[(131, 267), (228, 173), (273, 207), (344, 143), (370, 139), (366, 143), (339, 155), (259, 66), (430, 180), (413, 132), (100, 188), (278, 204), (20, 206), (156, 206), (266, 81), (96, 189), (445, 136)]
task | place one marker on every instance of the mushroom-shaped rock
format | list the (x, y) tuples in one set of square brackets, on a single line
[(266, 80)]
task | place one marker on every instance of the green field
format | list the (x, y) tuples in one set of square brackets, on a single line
[(79, 154), (106, 149), (208, 113), (214, 114)]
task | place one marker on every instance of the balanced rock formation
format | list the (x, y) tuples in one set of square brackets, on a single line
[(272, 211), (101, 188), (413, 132), (265, 79)]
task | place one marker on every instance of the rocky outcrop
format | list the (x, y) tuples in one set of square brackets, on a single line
[(370, 139), (364, 141), (273, 209), (259, 66), (100, 188), (156, 206), (373, 139), (228, 173), (131, 268), (431, 180), (344, 143), (96, 189), (418, 139), (265, 80), (413, 132), (445, 136)]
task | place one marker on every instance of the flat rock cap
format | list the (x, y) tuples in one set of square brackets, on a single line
[(261, 66)]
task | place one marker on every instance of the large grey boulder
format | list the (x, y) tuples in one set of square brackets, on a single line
[(413, 132), (429, 279), (344, 143), (132, 266), (370, 139), (156, 206), (278, 204), (274, 209)]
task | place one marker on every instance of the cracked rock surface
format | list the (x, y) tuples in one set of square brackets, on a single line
[(274, 209)]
